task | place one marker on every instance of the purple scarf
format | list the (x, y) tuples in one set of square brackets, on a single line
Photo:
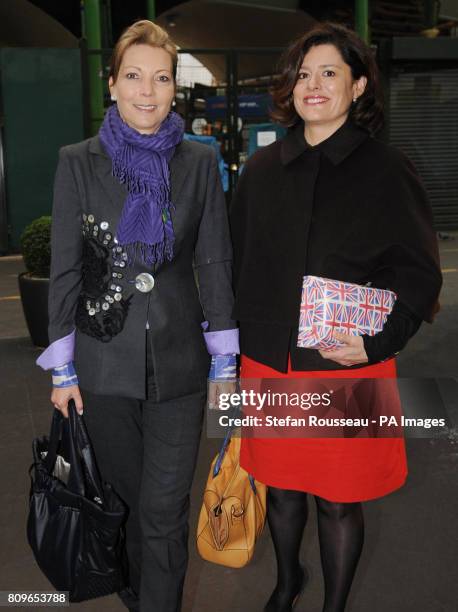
[(141, 161)]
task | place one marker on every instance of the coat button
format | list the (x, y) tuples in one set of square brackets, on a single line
[(144, 282)]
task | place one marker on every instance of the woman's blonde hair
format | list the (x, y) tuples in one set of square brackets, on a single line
[(142, 32)]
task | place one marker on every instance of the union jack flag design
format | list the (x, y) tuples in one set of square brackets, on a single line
[(328, 305)]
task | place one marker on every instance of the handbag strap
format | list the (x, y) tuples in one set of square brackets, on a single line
[(84, 477), (55, 436), (222, 452), (227, 438), (62, 431), (88, 473)]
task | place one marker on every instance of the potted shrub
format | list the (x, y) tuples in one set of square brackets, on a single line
[(34, 284)]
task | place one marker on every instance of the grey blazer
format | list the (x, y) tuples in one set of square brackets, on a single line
[(92, 288)]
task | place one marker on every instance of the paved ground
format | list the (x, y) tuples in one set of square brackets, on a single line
[(409, 559)]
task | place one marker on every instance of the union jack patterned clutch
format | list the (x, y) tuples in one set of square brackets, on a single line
[(329, 305)]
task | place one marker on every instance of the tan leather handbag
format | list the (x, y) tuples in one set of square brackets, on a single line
[(233, 511)]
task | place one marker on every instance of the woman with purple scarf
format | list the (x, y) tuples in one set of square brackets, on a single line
[(138, 213)]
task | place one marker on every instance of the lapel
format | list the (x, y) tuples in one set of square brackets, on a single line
[(179, 168), (180, 164), (117, 192)]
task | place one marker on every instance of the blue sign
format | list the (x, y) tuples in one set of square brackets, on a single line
[(250, 105)]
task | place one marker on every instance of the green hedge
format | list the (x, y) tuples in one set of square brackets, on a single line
[(36, 247)]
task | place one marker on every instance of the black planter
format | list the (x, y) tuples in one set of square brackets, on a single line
[(34, 296)]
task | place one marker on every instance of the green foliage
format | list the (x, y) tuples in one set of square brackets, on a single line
[(36, 247)]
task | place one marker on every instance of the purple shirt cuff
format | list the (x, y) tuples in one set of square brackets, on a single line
[(58, 353), (224, 342)]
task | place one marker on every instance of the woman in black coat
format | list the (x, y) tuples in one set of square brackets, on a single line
[(137, 212), (329, 200)]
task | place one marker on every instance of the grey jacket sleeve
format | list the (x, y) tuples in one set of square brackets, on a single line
[(213, 255), (66, 251)]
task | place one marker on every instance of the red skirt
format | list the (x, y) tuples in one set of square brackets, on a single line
[(339, 470)]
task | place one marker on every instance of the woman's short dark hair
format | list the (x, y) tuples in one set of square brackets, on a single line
[(367, 111)]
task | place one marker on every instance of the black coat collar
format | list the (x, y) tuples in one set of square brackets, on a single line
[(337, 147)]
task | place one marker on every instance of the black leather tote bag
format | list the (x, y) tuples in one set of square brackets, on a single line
[(76, 524)]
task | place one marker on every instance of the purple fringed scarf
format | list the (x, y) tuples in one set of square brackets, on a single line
[(141, 161)]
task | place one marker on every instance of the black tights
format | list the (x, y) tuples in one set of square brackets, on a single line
[(341, 535)]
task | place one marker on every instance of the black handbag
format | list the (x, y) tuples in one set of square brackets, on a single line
[(76, 524)]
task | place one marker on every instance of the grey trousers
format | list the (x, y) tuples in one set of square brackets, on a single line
[(148, 450)]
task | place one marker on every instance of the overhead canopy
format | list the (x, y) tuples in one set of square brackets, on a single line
[(24, 25), (206, 24)]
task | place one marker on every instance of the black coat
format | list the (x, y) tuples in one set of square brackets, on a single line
[(110, 350), (351, 208)]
